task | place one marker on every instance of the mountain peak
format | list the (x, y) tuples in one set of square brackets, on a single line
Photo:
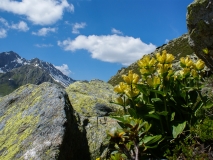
[(34, 71)]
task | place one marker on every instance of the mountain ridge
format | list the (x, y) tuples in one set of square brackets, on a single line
[(16, 71)]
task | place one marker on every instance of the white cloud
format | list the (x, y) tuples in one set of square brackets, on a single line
[(21, 26), (64, 69), (4, 22), (77, 26), (41, 12), (3, 33), (44, 31), (110, 48), (115, 31), (43, 45)]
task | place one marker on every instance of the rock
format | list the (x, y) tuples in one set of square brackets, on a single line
[(38, 123), (200, 28), (91, 100)]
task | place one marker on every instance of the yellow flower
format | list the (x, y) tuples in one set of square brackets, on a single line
[(170, 74), (154, 82), (147, 71), (165, 57), (119, 100), (160, 58), (146, 62), (131, 92), (199, 65), (131, 78), (163, 69), (120, 88), (194, 73), (186, 62), (185, 72), (169, 58)]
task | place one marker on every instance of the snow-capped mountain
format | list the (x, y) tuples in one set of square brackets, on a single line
[(11, 60)]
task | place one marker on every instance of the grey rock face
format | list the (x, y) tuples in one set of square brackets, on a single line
[(91, 100), (38, 122), (200, 28)]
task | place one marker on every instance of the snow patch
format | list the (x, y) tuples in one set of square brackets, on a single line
[(61, 80), (19, 60), (25, 63)]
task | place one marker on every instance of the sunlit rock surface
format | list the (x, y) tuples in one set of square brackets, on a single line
[(38, 123), (91, 100)]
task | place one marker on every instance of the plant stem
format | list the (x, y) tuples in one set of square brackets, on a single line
[(136, 151), (167, 120)]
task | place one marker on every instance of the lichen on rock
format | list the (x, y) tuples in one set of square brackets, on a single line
[(90, 98), (91, 101), (32, 122)]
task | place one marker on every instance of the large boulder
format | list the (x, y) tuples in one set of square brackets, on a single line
[(91, 100), (200, 28), (38, 123)]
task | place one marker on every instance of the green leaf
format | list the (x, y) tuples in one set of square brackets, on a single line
[(156, 100), (143, 89), (163, 113), (208, 105), (172, 116), (158, 92), (178, 128), (148, 140), (132, 112), (153, 116), (198, 107), (121, 118)]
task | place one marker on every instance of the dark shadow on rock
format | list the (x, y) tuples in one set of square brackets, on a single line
[(75, 144)]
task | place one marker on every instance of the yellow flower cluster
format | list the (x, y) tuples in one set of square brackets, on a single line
[(190, 68), (128, 87), (154, 71), (165, 58), (154, 82), (147, 65), (165, 63), (188, 63), (131, 78)]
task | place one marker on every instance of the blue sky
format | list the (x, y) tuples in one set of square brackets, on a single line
[(89, 39)]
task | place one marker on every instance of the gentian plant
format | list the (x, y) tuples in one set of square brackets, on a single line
[(160, 106)]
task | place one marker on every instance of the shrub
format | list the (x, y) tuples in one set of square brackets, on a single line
[(169, 102)]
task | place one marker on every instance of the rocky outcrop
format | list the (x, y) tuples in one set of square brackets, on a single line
[(38, 123), (91, 100), (200, 28), (41, 122)]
